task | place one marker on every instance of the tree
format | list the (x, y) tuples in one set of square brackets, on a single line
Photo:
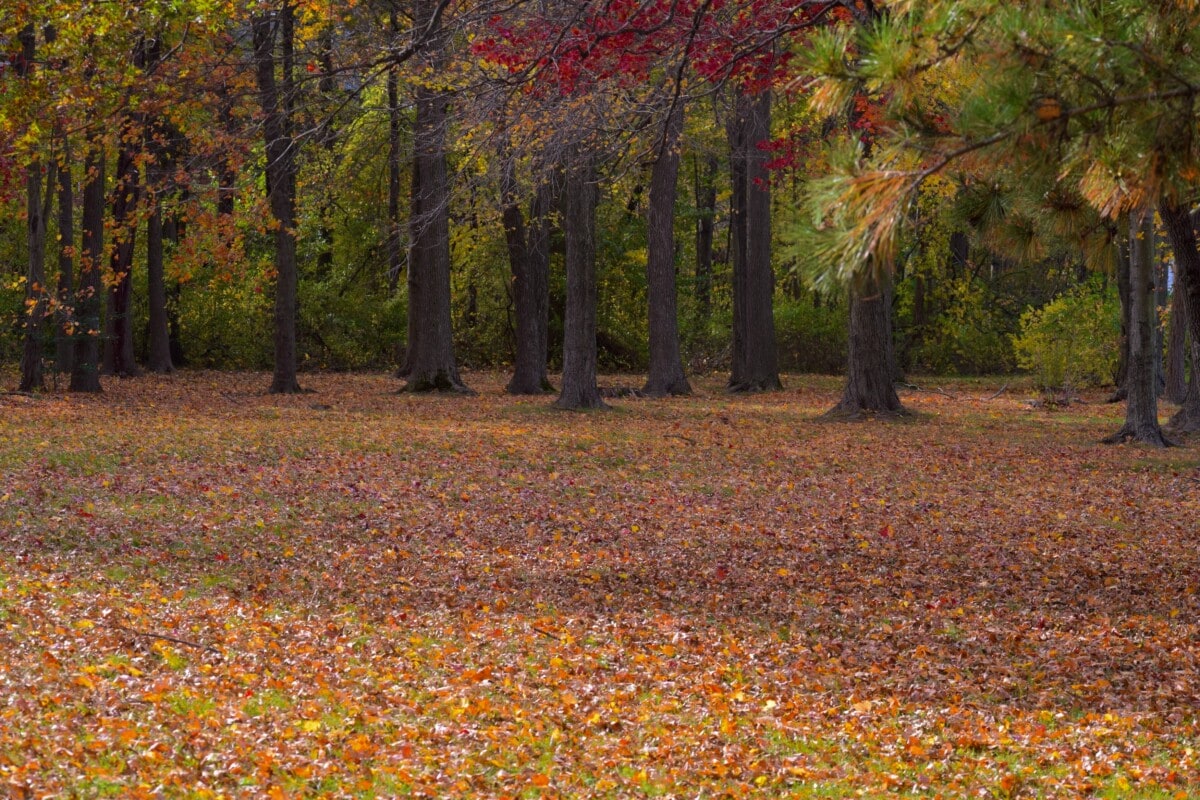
[(1088, 98), (430, 364), (666, 375), (118, 350), (1178, 340), (755, 361), (1141, 408), (580, 197), (85, 366), (36, 213), (276, 98), (529, 261), (64, 313)]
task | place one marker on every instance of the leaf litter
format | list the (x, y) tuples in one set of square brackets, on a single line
[(209, 591)]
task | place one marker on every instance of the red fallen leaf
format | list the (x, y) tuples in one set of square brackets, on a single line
[(885, 531), (86, 514), (721, 573), (221, 557)]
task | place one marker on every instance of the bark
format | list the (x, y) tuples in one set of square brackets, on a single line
[(706, 212), (1141, 405), (755, 360), (431, 365), (276, 102), (85, 367), (119, 354), (1187, 259), (871, 360), (1122, 377), (32, 377), (36, 301), (581, 196), (1161, 299), (529, 261), (666, 376), (1176, 383), (65, 315), (1182, 235), (1187, 419), (159, 333)]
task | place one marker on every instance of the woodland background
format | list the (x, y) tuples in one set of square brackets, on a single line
[(179, 115)]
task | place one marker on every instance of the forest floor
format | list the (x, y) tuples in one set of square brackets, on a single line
[(209, 591)]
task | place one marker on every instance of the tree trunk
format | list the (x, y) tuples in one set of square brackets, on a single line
[(64, 324), (159, 334), (430, 365), (38, 211), (581, 196), (871, 361), (1122, 378), (85, 367), (666, 375), (529, 261), (276, 102), (124, 207), (1182, 235), (755, 361), (1161, 298), (706, 212), (1176, 387), (1141, 406), (1187, 258), (32, 377), (1187, 419)]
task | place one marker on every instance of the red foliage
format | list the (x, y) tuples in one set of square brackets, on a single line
[(628, 39)]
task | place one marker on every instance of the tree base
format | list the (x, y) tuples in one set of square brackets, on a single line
[(85, 384), (1144, 434), (667, 387), (529, 387), (582, 400), (283, 385), (1186, 420), (439, 381), (770, 384), (844, 412)]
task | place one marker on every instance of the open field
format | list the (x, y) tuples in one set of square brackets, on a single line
[(207, 591)]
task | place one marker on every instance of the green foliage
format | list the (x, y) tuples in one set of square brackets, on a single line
[(969, 337), (811, 334), (348, 328), (226, 322), (1073, 341)]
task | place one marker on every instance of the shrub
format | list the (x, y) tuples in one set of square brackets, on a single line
[(1073, 341), (811, 338), (970, 336)]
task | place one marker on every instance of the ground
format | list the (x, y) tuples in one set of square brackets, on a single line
[(208, 591)]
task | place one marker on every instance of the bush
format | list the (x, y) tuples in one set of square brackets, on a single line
[(811, 338), (970, 336), (1073, 341)]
